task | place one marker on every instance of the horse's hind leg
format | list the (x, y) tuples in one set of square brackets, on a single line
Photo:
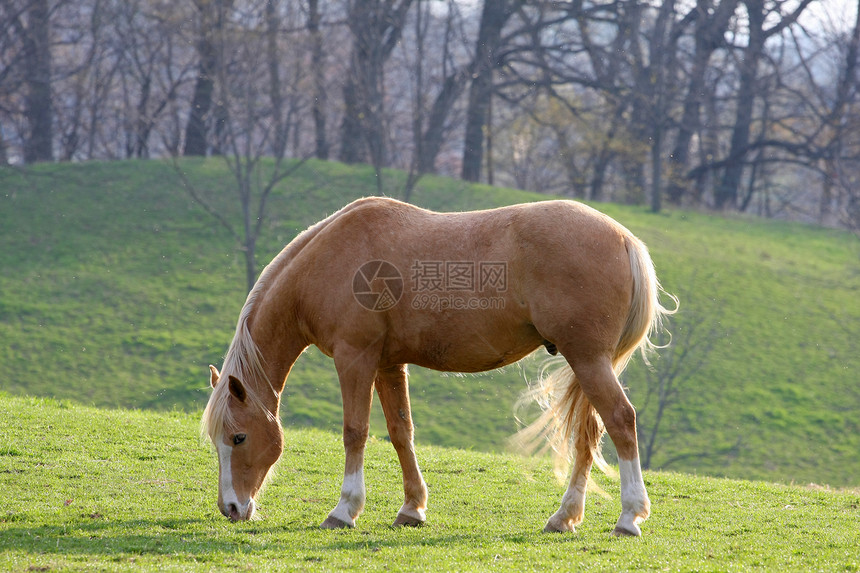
[(601, 387), (356, 371), (572, 508), (393, 389)]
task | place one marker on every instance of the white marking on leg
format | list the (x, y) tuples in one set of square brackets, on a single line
[(572, 505), (415, 504), (352, 496), (574, 498), (635, 506), (410, 511)]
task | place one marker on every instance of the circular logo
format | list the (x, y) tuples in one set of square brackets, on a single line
[(377, 285)]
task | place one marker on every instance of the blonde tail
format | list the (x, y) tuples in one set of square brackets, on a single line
[(646, 315), (567, 417)]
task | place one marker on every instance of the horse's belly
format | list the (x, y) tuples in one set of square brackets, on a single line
[(467, 349)]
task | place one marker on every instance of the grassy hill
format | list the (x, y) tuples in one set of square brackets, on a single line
[(118, 290), (111, 490)]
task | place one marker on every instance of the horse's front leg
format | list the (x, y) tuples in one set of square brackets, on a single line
[(356, 373), (393, 388)]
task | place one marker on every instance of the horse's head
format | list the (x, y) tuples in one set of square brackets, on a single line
[(248, 438)]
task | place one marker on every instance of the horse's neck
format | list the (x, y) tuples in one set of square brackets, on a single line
[(280, 343), (273, 321)]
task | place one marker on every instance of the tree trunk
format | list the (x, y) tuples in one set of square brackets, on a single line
[(726, 193), (250, 245), (38, 105), (838, 124), (434, 135), (657, 168), (201, 103), (318, 70), (212, 16), (640, 102), (279, 143), (708, 37), (376, 28), (437, 125), (352, 148), (661, 54), (4, 154), (493, 18)]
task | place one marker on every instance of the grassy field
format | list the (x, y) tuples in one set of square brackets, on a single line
[(117, 290), (101, 490)]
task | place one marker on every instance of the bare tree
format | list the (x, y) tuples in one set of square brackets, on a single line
[(711, 23), (153, 67), (726, 194), (320, 94), (11, 74), (494, 16), (712, 100), (438, 75), (212, 17), (840, 122), (38, 110), (663, 385), (252, 135), (376, 26)]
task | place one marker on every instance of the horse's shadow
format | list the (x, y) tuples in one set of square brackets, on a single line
[(105, 538)]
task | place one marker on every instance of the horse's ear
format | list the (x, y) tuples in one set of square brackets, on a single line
[(214, 375), (236, 388)]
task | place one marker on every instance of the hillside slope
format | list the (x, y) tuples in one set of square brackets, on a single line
[(118, 290), (90, 489)]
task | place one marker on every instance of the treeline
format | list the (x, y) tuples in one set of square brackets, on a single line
[(745, 105)]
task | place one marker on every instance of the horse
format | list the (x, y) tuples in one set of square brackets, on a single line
[(382, 284)]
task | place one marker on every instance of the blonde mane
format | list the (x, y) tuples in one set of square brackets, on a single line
[(245, 362)]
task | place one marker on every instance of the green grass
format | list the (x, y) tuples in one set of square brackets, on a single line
[(117, 290), (99, 490)]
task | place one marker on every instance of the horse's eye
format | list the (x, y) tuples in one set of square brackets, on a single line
[(238, 439)]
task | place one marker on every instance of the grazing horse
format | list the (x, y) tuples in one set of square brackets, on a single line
[(381, 284)]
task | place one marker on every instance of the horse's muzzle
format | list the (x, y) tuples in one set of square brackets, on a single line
[(236, 512)]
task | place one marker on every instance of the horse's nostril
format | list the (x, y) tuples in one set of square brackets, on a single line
[(233, 512)]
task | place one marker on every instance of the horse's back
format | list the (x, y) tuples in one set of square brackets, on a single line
[(375, 222)]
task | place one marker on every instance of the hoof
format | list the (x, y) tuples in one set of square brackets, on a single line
[(621, 532), (404, 520), (335, 523), (559, 526)]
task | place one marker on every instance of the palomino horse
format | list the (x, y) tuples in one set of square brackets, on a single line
[(381, 284)]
